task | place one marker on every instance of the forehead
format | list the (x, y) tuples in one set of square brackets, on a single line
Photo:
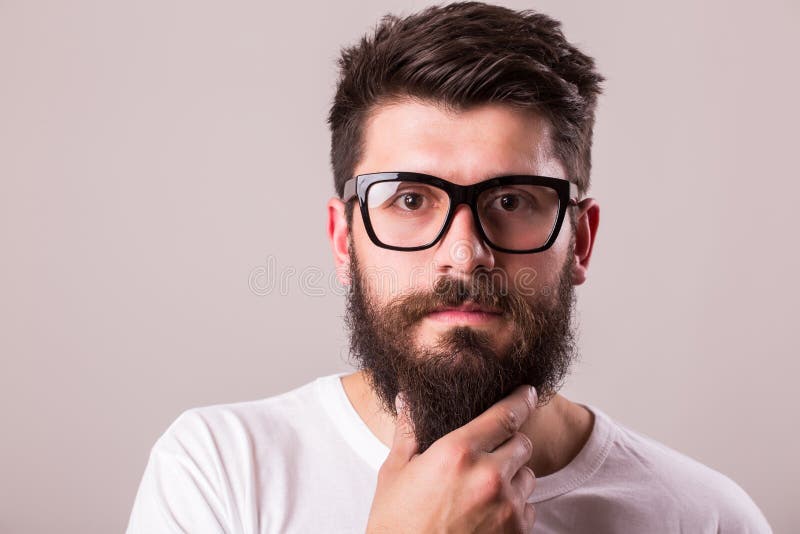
[(461, 146)]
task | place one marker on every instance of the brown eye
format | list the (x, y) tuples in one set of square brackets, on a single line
[(509, 202), (411, 201)]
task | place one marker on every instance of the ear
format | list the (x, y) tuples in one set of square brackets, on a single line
[(588, 219), (339, 236)]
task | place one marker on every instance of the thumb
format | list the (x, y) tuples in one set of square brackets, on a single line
[(404, 444)]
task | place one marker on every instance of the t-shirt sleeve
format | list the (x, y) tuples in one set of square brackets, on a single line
[(182, 487), (738, 513)]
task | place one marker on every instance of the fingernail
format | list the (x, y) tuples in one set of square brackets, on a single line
[(534, 396)]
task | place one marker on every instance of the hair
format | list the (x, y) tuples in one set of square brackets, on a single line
[(460, 56)]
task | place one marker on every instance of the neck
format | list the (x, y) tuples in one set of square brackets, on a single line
[(558, 430)]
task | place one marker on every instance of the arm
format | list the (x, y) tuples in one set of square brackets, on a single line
[(180, 488)]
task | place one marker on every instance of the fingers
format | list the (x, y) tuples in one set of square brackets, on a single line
[(501, 421), (529, 517), (404, 443), (511, 455), (524, 482)]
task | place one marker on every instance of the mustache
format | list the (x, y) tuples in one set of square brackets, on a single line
[(447, 291)]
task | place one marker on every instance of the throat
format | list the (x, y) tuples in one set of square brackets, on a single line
[(559, 431)]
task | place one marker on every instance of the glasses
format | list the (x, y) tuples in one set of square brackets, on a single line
[(412, 211)]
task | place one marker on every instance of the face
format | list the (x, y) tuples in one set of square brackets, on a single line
[(451, 366)]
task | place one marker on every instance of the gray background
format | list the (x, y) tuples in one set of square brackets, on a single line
[(157, 156)]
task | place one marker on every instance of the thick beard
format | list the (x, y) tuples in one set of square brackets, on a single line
[(447, 385)]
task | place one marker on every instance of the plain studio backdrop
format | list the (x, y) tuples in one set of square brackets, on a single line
[(163, 178)]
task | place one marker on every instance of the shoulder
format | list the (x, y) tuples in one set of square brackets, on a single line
[(206, 463), (226, 444), (689, 486), (240, 426)]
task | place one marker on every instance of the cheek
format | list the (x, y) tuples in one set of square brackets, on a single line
[(528, 274), (388, 273), (564, 236), (397, 271), (358, 233)]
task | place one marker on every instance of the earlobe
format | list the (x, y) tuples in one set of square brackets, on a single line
[(588, 220), (339, 236)]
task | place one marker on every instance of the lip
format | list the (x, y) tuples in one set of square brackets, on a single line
[(465, 314), (468, 307)]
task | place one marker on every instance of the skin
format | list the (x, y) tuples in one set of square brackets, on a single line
[(466, 147)]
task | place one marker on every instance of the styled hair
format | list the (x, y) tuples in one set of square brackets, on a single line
[(463, 55)]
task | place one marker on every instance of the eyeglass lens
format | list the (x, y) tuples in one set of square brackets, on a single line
[(411, 214)]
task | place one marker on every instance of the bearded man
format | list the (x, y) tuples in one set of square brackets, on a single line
[(461, 150)]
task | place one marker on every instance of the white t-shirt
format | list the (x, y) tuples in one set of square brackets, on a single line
[(305, 462)]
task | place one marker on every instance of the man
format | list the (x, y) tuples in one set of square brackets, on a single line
[(461, 141)]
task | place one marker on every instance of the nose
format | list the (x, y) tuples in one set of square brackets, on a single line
[(461, 249)]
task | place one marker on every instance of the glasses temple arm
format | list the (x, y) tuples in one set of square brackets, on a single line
[(349, 189), (574, 194)]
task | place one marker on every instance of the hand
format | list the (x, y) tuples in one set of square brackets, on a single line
[(472, 480)]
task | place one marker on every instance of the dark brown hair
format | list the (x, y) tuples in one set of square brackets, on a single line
[(462, 55)]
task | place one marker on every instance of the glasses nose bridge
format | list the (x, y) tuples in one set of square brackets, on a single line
[(464, 194)]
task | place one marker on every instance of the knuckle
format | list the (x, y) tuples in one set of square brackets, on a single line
[(526, 443), (532, 476), (508, 419), (491, 486), (530, 484), (507, 513), (457, 456)]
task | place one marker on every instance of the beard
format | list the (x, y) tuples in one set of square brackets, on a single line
[(449, 384)]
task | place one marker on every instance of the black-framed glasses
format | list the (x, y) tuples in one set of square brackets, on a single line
[(410, 211)]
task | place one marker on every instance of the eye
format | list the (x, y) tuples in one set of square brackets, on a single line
[(409, 201), (509, 202)]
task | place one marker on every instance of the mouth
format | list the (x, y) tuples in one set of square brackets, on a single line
[(469, 313)]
